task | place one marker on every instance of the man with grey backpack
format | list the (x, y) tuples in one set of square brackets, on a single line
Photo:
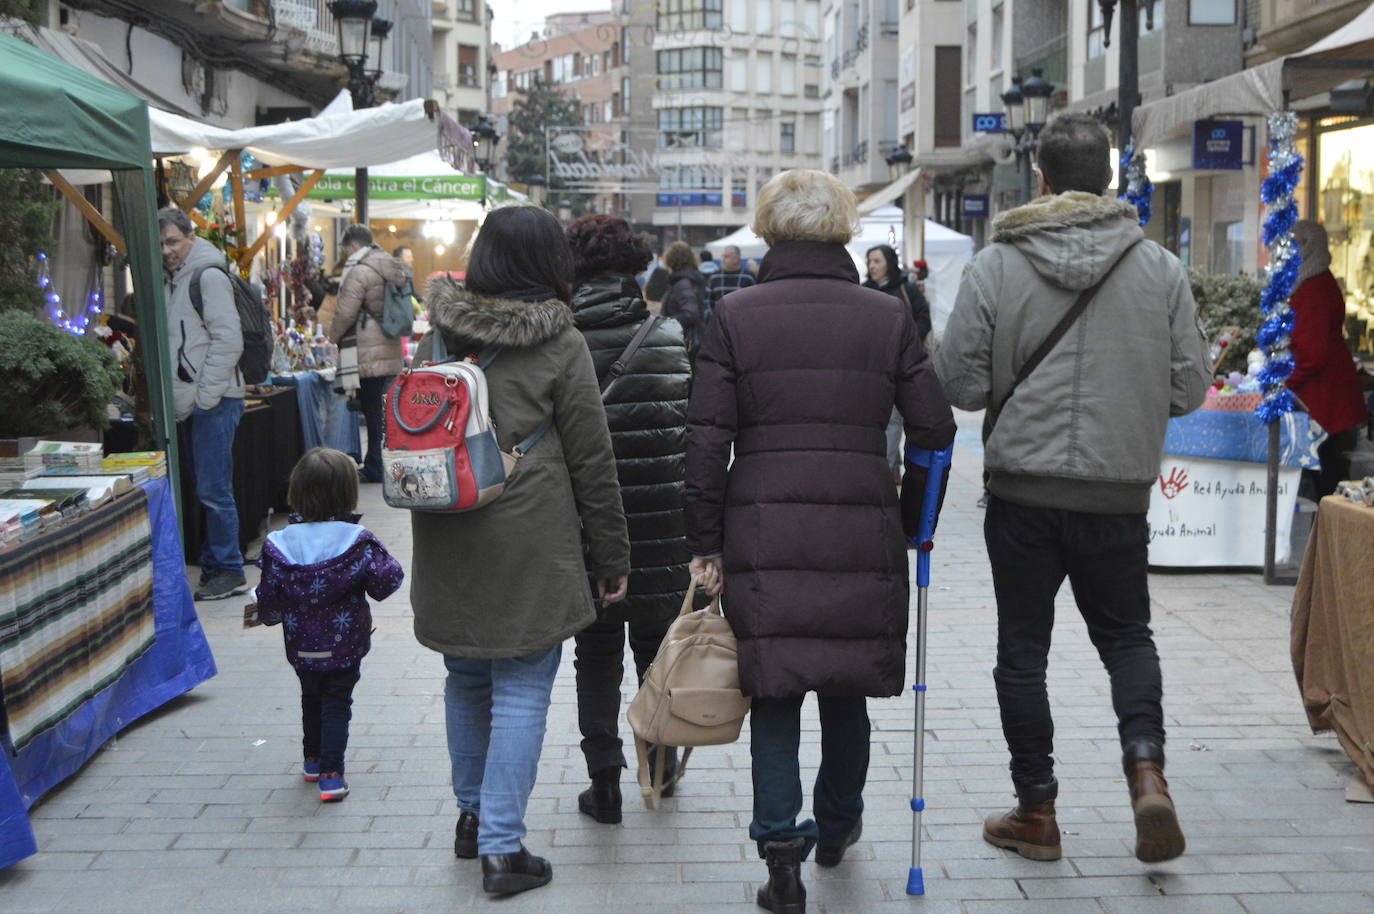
[(361, 315), (1080, 338)]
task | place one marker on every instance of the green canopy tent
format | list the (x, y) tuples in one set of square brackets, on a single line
[(53, 115)]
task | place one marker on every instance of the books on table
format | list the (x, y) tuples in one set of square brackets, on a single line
[(99, 489), (79, 454)]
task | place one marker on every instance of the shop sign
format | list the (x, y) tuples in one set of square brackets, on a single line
[(989, 123), (601, 160), (975, 206), (1218, 145), (414, 187), (1211, 513)]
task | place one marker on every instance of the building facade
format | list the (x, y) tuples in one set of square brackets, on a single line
[(860, 120), (461, 53)]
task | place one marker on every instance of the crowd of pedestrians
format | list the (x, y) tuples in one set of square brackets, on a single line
[(747, 447)]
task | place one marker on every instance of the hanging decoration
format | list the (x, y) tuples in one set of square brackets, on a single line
[(74, 324), (1139, 190), (1281, 212)]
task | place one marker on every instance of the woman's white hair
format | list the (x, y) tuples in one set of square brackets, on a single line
[(805, 205)]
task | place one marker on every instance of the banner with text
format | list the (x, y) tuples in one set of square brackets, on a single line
[(1210, 513), (408, 187)]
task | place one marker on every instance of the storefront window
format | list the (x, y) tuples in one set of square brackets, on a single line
[(1345, 206)]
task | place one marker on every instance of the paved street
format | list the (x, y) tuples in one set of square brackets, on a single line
[(201, 806)]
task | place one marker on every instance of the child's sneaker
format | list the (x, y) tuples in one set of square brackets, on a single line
[(332, 786), (311, 771)]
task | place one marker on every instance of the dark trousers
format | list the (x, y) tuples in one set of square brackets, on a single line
[(372, 395), (775, 740), (326, 703), (1335, 465), (600, 669), (1032, 550)]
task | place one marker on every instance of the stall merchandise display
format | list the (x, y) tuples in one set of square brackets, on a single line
[(1358, 491)]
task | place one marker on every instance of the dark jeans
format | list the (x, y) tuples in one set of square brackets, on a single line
[(326, 702), (372, 395), (600, 668), (1032, 550), (775, 739), (1335, 466)]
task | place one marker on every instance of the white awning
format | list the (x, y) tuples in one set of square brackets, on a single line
[(1260, 90), (343, 139), (886, 195)]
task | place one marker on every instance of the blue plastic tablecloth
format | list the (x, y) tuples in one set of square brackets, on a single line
[(178, 661), (326, 420), (1241, 436)]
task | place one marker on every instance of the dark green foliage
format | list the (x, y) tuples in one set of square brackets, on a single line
[(26, 10), (1228, 301), (52, 380), (26, 213), (544, 105)]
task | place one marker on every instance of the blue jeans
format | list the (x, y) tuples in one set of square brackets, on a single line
[(774, 742), (212, 462), (496, 715), (372, 394)]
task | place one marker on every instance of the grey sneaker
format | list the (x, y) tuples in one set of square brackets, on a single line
[(222, 586)]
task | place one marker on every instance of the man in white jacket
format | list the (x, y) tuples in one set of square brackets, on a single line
[(1073, 453), (208, 389)]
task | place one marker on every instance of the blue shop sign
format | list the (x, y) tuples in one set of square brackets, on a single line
[(975, 206), (1218, 145), (989, 123)]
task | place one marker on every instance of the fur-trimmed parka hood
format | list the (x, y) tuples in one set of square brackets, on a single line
[(1071, 238), (505, 323)]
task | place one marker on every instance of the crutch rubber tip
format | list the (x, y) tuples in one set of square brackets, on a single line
[(915, 881), (918, 804)]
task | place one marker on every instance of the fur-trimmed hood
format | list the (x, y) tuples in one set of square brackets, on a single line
[(1070, 238), (506, 323)]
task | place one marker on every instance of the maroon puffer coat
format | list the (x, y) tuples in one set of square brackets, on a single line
[(800, 374)]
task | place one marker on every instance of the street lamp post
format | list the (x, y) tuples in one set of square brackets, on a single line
[(565, 211), (1026, 106), (484, 140), (357, 25), (1129, 62), (898, 161)]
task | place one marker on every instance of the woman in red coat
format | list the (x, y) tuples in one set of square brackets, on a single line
[(1324, 375)]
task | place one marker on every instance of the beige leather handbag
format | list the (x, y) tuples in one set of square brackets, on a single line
[(690, 696)]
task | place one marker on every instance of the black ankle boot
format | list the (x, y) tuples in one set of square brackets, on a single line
[(465, 837), (784, 892), (601, 801), (506, 874)]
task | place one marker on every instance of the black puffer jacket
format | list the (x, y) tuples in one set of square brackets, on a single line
[(686, 304), (647, 413)]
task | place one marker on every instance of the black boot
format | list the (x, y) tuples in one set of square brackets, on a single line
[(465, 837), (601, 801), (506, 874), (784, 892), (832, 854)]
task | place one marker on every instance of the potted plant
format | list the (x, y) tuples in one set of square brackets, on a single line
[(52, 379), (1227, 301)]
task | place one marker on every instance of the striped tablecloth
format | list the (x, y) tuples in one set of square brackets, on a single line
[(76, 609)]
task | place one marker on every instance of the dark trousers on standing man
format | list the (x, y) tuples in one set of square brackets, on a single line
[(1104, 556), (600, 669), (372, 394), (774, 742), (326, 708)]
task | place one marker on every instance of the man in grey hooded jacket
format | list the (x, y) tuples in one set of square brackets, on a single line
[(208, 389), (1072, 457)]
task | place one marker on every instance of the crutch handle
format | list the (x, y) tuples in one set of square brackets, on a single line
[(936, 464)]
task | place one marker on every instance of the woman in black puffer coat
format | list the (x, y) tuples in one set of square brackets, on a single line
[(646, 408), (686, 298)]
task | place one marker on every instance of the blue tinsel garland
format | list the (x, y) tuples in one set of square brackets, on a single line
[(1139, 190), (1281, 212)]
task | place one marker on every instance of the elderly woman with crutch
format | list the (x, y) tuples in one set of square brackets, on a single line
[(804, 530)]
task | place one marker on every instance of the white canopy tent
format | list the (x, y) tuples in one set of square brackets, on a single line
[(1261, 89), (946, 253)]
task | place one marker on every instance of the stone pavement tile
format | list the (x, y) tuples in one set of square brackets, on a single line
[(1129, 866), (321, 896), (1217, 883), (1354, 881), (175, 859), (1309, 903), (227, 840), (1273, 863), (152, 826), (266, 859), (1055, 906), (346, 877), (130, 900), (1089, 887), (1197, 904), (406, 898), (100, 842), (62, 860), (1012, 867)]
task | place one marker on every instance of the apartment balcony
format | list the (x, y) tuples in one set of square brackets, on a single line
[(290, 41), (1288, 26)]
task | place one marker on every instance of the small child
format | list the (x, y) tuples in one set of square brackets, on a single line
[(316, 575)]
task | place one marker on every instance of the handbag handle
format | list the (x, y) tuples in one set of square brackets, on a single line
[(687, 600), (397, 388)]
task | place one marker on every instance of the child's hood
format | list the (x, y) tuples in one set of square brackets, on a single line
[(313, 543)]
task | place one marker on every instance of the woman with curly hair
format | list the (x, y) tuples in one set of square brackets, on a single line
[(646, 409), (686, 298)]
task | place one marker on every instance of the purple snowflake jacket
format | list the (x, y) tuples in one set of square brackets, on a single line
[(316, 578)]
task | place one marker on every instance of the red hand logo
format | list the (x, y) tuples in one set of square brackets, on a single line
[(1175, 484)]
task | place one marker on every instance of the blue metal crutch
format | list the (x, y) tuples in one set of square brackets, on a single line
[(936, 464)]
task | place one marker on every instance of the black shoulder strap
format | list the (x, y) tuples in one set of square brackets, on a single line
[(197, 301), (1060, 329), (619, 365)]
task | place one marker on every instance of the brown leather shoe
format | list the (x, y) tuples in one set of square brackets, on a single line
[(1030, 829), (1157, 833)]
